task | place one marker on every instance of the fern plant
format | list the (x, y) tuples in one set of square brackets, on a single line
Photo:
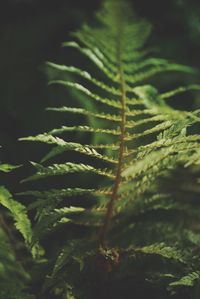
[(138, 225), (14, 279)]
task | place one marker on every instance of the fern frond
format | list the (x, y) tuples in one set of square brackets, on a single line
[(162, 250), (18, 212), (109, 49), (181, 89), (63, 146), (94, 58), (188, 280), (164, 142), (85, 75), (157, 128), (59, 193), (21, 219), (84, 129), (60, 169), (146, 145), (108, 102), (111, 117), (141, 76)]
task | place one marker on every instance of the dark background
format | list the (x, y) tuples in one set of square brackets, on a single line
[(31, 32)]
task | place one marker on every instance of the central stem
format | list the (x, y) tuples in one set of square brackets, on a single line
[(114, 195)]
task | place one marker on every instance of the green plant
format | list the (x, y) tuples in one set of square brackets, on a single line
[(13, 276), (137, 226)]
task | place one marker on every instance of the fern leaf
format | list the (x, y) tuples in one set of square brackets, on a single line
[(112, 103), (188, 280), (110, 117), (8, 167), (22, 222), (181, 89), (59, 193), (141, 76), (158, 118), (63, 146), (160, 127), (61, 169), (85, 129), (85, 75), (18, 212), (146, 149), (94, 58), (79, 87), (69, 210), (163, 250)]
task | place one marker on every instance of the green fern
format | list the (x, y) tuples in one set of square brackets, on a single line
[(148, 142), (8, 167), (187, 280), (14, 279)]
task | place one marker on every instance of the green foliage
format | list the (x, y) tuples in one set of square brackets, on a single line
[(187, 280), (18, 212), (14, 279), (21, 219), (7, 167), (139, 221)]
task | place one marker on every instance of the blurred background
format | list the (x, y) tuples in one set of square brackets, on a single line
[(31, 34)]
